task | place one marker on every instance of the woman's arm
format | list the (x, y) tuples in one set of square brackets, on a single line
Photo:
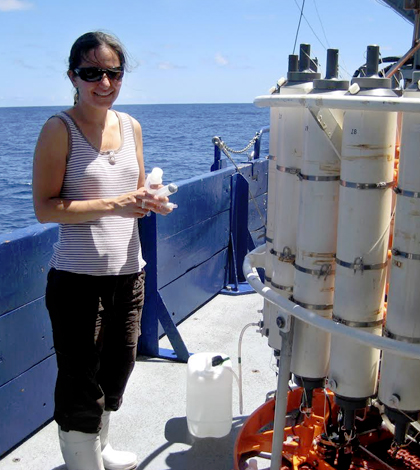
[(138, 135), (48, 176)]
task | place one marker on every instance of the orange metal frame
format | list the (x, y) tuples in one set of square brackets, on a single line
[(254, 437)]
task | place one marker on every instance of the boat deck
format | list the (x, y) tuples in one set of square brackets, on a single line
[(152, 420)]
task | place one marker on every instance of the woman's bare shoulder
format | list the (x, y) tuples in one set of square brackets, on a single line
[(53, 138), (55, 125)]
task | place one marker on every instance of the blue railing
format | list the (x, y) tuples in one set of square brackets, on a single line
[(220, 147)]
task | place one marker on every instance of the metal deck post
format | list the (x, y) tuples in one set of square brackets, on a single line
[(281, 397)]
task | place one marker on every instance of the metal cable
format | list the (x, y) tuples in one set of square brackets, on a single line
[(227, 150), (320, 21), (300, 20)]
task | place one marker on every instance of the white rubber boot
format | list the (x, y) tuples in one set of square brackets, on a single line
[(81, 451), (114, 459)]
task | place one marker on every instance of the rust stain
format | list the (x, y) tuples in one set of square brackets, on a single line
[(311, 254), (331, 167), (373, 313), (369, 147), (324, 261), (406, 235), (378, 156)]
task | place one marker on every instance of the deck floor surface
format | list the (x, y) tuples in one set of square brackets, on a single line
[(152, 420)]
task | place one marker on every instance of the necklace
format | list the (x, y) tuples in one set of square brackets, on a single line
[(111, 157)]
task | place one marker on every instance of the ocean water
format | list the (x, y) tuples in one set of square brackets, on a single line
[(177, 138)]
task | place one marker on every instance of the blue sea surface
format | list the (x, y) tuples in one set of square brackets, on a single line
[(176, 138)]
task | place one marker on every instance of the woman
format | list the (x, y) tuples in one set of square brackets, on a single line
[(89, 177)]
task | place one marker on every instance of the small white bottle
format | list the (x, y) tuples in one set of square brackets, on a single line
[(167, 190), (155, 177)]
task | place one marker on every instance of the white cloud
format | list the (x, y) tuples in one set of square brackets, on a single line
[(23, 64), (10, 5), (168, 66), (220, 60)]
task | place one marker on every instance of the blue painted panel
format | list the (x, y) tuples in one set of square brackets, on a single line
[(198, 199), (24, 258), (26, 403), (257, 212), (183, 296), (191, 247), (239, 227), (257, 176), (25, 339), (148, 341)]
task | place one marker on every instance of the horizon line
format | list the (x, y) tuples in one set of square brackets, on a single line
[(125, 104)]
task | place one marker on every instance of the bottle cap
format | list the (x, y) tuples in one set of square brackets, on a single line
[(155, 176), (172, 188)]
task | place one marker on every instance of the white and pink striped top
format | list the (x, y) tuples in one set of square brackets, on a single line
[(111, 244)]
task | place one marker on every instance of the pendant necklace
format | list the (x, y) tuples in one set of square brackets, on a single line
[(111, 157)]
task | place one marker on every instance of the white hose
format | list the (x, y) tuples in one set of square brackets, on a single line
[(241, 402), (385, 419), (255, 259)]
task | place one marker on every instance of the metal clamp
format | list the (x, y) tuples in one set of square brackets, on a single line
[(285, 256), (358, 324), (326, 270), (280, 287), (406, 339), (358, 265), (403, 254), (380, 185), (290, 170), (403, 192), (311, 306), (318, 178)]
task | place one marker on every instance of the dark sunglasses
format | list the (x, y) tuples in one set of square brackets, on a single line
[(95, 74)]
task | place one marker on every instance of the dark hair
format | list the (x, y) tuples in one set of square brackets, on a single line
[(88, 41)]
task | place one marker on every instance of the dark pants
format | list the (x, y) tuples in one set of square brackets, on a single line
[(96, 325)]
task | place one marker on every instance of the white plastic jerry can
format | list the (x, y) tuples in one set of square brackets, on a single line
[(209, 394)]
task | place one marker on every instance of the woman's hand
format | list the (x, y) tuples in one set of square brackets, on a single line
[(160, 202), (139, 203)]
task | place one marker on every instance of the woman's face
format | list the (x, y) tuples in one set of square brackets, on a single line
[(102, 93)]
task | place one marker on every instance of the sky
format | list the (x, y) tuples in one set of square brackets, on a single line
[(187, 51)]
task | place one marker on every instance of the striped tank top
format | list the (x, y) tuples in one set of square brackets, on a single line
[(111, 244)]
